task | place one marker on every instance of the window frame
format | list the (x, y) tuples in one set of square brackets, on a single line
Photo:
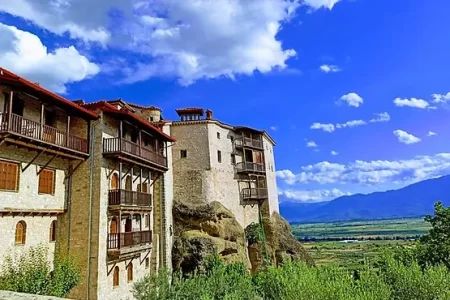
[(23, 234), (219, 156), (116, 276), (233, 158), (46, 170), (218, 135), (52, 237), (183, 153), (17, 177), (130, 272)]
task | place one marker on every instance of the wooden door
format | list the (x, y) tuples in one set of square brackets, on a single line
[(128, 183), (113, 226), (115, 182)]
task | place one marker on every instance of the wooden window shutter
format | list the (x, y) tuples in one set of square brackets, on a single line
[(8, 176), (47, 182), (53, 231), (21, 232), (116, 276), (130, 272)]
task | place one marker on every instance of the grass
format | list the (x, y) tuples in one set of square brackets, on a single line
[(327, 246)]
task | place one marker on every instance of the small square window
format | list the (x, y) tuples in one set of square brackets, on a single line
[(183, 153), (233, 159), (218, 135), (219, 156)]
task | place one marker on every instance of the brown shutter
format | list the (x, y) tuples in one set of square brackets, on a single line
[(46, 182), (8, 176)]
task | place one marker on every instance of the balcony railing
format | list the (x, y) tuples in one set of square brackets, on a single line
[(248, 142), (21, 126), (118, 145), (254, 193), (129, 239), (250, 167), (129, 198)]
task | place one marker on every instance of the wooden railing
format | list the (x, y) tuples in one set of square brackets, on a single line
[(250, 167), (118, 145), (248, 142), (254, 193), (129, 239), (34, 130), (125, 197)]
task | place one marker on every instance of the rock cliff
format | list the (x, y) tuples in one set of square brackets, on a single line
[(206, 229)]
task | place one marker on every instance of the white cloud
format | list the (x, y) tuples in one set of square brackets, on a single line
[(23, 53), (381, 117), (431, 133), (334, 153), (273, 128), (188, 40), (311, 144), (413, 102), (352, 99), (441, 98), (329, 68), (311, 196), (406, 138), (316, 4), (352, 123), (324, 127), (370, 173)]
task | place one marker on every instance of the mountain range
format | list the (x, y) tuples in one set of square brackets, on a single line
[(415, 200)]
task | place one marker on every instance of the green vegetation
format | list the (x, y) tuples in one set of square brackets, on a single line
[(31, 273), (398, 272)]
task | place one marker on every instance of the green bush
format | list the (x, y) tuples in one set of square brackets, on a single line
[(30, 272), (253, 233)]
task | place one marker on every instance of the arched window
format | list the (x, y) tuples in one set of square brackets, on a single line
[(53, 231), (130, 272), (21, 233), (115, 181), (128, 183), (116, 276)]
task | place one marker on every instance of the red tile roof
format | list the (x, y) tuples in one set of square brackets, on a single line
[(11, 77), (103, 105)]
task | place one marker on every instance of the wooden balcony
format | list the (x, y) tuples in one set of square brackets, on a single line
[(17, 128), (254, 194), (249, 167), (129, 199), (128, 240), (248, 142), (120, 146)]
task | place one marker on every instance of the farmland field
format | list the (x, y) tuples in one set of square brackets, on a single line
[(350, 244)]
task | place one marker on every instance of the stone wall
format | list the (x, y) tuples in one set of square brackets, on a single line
[(270, 176)]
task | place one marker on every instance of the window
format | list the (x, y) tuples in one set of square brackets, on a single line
[(53, 231), (17, 106), (219, 156), (9, 176), (114, 181), (147, 221), (183, 153), (232, 138), (21, 233), (130, 272), (128, 185), (147, 263), (218, 135), (116, 276), (50, 118), (151, 119), (47, 182), (233, 159)]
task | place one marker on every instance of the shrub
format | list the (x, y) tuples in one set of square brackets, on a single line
[(30, 272)]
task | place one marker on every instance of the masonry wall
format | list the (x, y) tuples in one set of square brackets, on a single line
[(270, 175)]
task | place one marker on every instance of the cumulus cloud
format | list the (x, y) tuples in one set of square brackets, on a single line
[(188, 40), (23, 53), (413, 102), (324, 127), (441, 98), (405, 137), (381, 117), (312, 196), (370, 173), (352, 123), (273, 128), (311, 144), (334, 153), (431, 133), (329, 68), (352, 99)]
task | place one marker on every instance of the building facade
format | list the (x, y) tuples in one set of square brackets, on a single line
[(214, 161)]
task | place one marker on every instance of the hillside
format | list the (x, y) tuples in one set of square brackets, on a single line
[(411, 201)]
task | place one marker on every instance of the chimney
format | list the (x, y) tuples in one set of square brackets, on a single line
[(209, 114)]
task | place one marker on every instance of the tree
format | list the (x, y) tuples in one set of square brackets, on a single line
[(434, 247)]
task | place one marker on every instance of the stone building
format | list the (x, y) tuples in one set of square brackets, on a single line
[(126, 188), (43, 137), (214, 161)]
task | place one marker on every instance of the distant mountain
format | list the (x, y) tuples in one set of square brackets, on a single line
[(411, 201)]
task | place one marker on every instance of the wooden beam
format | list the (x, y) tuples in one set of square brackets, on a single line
[(41, 121), (67, 130), (10, 104), (34, 158), (50, 160), (29, 145)]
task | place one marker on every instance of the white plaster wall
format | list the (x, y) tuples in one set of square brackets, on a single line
[(37, 233), (270, 175)]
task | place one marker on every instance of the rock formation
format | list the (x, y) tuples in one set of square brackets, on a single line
[(206, 229)]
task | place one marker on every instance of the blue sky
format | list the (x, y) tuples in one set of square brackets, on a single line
[(353, 91)]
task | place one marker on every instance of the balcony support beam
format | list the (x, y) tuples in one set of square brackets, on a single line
[(48, 162), (34, 158)]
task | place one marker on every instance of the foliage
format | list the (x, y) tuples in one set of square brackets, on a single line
[(434, 247), (30, 272), (396, 279), (254, 233)]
